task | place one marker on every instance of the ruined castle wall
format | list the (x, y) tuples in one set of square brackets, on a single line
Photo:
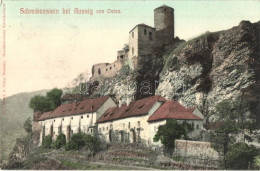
[(106, 69), (146, 38)]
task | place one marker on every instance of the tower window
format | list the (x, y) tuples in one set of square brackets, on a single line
[(144, 31), (150, 36), (133, 34), (133, 50), (99, 71)]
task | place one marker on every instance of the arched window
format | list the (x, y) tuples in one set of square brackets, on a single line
[(99, 71)]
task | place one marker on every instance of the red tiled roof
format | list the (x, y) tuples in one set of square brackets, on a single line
[(136, 108), (173, 110), (85, 106)]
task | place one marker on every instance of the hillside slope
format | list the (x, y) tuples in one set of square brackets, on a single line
[(11, 123)]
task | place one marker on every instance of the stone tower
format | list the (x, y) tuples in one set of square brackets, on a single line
[(164, 24)]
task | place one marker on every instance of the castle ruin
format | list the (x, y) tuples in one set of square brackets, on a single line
[(143, 41)]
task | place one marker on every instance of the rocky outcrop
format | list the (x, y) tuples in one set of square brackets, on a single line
[(201, 72), (214, 67)]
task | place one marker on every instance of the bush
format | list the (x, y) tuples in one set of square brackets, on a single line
[(80, 140), (76, 142), (60, 141), (241, 156), (47, 142)]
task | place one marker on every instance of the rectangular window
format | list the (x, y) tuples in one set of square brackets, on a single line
[(138, 123), (87, 116), (133, 50), (129, 125), (81, 117), (144, 31), (71, 118), (197, 126), (132, 34), (150, 36)]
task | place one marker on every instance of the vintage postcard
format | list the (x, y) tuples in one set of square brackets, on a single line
[(129, 85)]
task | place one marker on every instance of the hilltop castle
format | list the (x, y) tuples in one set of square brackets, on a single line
[(143, 41)]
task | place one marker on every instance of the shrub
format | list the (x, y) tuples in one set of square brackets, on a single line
[(60, 141), (241, 156), (80, 140), (47, 142), (76, 142)]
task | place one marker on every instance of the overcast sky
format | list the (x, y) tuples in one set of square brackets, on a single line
[(47, 51)]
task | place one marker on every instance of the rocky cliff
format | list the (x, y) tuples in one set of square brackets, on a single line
[(215, 66), (201, 72)]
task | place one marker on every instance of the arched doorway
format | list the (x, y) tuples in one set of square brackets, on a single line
[(110, 135), (121, 135), (51, 131), (132, 136)]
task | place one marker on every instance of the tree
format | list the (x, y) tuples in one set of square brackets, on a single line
[(41, 103), (48, 102), (28, 125), (241, 156), (47, 142), (76, 143), (55, 96), (92, 143), (60, 141), (257, 161), (170, 131), (233, 121)]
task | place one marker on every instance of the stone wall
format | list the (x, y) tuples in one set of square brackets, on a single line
[(106, 69), (197, 149)]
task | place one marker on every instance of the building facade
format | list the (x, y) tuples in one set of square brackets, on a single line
[(74, 117), (139, 121), (130, 123)]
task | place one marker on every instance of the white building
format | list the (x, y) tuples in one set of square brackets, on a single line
[(139, 121), (74, 117), (136, 122)]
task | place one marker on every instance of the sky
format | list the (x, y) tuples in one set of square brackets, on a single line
[(47, 51)]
